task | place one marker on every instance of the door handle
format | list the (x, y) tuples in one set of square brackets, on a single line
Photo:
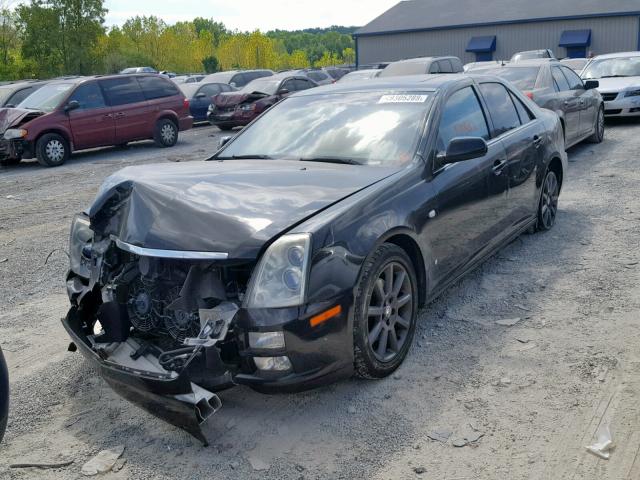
[(499, 165), (537, 141), (108, 115), (120, 114)]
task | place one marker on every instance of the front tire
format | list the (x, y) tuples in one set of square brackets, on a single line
[(548, 207), (386, 310), (166, 133), (52, 150), (598, 134)]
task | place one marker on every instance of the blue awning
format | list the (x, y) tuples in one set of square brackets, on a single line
[(482, 44), (575, 38)]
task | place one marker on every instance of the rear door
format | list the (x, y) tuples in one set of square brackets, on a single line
[(588, 103), (162, 95), (462, 226), (522, 136), (92, 124), (570, 105), (130, 108)]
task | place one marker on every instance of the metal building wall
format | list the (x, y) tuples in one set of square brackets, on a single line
[(608, 35)]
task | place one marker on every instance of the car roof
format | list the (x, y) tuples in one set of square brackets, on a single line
[(427, 82), (422, 59), (22, 84), (538, 62), (617, 55)]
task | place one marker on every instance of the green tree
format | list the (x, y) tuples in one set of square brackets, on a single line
[(211, 64)]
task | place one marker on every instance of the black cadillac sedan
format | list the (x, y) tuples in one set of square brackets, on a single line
[(301, 252)]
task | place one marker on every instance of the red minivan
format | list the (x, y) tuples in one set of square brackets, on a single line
[(79, 113)]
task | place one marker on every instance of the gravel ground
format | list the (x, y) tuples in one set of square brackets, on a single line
[(524, 400)]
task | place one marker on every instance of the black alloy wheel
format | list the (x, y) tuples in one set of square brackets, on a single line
[(598, 133), (548, 208), (386, 312)]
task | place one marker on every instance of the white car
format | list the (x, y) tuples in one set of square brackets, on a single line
[(619, 77)]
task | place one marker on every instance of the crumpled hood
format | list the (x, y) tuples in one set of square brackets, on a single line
[(10, 117), (610, 85), (233, 207), (236, 98)]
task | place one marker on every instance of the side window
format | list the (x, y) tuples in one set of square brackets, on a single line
[(560, 80), (122, 91), (574, 80), (501, 108), (226, 88), (303, 84), (435, 68), (289, 85), (462, 117), (19, 96), (89, 96), (240, 80), (523, 112), (157, 87), (457, 65), (210, 90), (445, 66)]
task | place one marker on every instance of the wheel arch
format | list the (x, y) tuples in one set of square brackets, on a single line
[(555, 166), (168, 115)]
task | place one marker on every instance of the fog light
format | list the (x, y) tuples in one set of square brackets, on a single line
[(273, 364), (268, 340)]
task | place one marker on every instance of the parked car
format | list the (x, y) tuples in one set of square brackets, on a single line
[(336, 72), (556, 87), (478, 65), (180, 79), (200, 97), (619, 78), (575, 64), (360, 75), (131, 70), (11, 94), (237, 78), (302, 252), (421, 66), (4, 395), (69, 115), (237, 109), (318, 76), (533, 55), (374, 66)]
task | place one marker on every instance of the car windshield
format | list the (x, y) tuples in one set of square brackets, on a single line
[(363, 75), (5, 93), (220, 77), (378, 128), (47, 98), (189, 89), (613, 67), (267, 85), (399, 69), (522, 77)]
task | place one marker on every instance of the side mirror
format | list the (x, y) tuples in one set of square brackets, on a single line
[(223, 141), (72, 105), (201, 95), (464, 148), (283, 91), (591, 84)]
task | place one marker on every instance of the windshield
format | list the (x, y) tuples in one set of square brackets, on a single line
[(267, 85), (364, 128), (47, 98), (189, 89), (220, 77), (362, 75), (399, 69), (524, 78), (5, 93), (613, 67)]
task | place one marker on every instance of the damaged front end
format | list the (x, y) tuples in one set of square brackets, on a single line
[(13, 145), (159, 324)]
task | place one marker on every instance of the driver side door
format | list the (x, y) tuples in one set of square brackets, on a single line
[(92, 123)]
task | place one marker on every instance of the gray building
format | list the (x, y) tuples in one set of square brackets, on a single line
[(496, 29)]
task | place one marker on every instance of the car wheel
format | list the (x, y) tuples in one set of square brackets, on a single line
[(166, 134), (52, 150), (386, 309), (598, 133), (548, 207)]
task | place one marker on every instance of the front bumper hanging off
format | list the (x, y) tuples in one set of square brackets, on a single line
[(172, 398)]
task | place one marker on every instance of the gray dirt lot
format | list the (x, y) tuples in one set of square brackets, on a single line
[(531, 395)]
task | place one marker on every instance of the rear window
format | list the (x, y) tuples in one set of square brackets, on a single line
[(122, 91), (522, 77), (404, 68), (157, 87)]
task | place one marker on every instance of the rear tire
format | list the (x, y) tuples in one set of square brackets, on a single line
[(548, 207), (598, 134), (52, 150), (386, 311), (166, 133)]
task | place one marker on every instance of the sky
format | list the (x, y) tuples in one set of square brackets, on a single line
[(254, 14)]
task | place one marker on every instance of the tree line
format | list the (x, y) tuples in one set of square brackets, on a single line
[(50, 38)]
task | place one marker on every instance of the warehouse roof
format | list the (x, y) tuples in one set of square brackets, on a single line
[(416, 15)]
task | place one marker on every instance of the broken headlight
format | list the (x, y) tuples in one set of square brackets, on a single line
[(79, 240), (14, 133), (281, 275)]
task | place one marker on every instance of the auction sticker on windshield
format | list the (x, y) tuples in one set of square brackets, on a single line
[(403, 98)]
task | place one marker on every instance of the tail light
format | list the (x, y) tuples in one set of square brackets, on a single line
[(185, 103), (529, 94)]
